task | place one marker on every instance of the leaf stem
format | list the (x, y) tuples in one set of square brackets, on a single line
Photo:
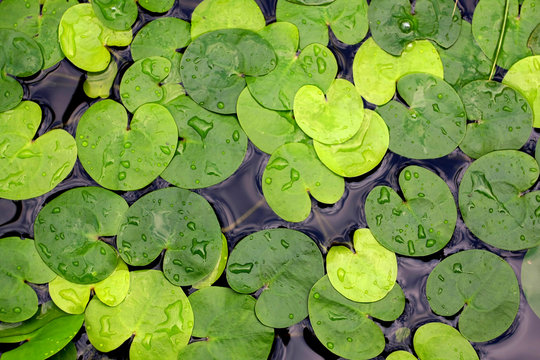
[(455, 7), (501, 38)]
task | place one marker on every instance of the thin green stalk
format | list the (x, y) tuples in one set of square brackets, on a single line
[(501, 38), (455, 7)]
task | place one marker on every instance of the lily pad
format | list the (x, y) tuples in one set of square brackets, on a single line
[(267, 129), (99, 84), (156, 313), (214, 66), (211, 15), (434, 122), (347, 19), (345, 327), (330, 118), (211, 146), (156, 6), (45, 334), (484, 283), (441, 341), (359, 154), (293, 173), (28, 167), (530, 274), (21, 264), (121, 158), (487, 24), (376, 72), (401, 355), (67, 232), (116, 14), (73, 298), (218, 269), (285, 264), (394, 24), (315, 65), (227, 324), (494, 204), (366, 275), (84, 39), (534, 41), (179, 221), (419, 226), (501, 118), (69, 352), (524, 76)]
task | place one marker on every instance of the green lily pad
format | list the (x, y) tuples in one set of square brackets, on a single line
[(141, 82), (222, 320), (214, 66), (493, 203), (484, 283), (126, 159), (502, 118), (347, 19), (116, 14), (441, 341), (376, 72), (73, 298), (67, 232), (530, 274), (99, 84), (401, 355), (45, 334), (487, 25), (211, 15), (330, 118), (267, 129), (211, 146), (84, 39), (359, 154), (179, 221), (534, 41), (69, 352), (524, 76), (315, 65), (157, 6), (21, 264), (272, 260), (345, 327), (464, 61), (434, 122), (218, 269), (156, 313), (368, 274), (394, 24), (28, 167), (293, 173), (419, 226)]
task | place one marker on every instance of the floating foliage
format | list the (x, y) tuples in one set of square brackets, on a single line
[(156, 6), (116, 14), (530, 274), (69, 352), (441, 341), (99, 84), (534, 41), (401, 355), (218, 269)]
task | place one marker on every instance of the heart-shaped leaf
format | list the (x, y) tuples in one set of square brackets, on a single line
[(178, 220), (28, 167), (366, 275), (440, 341), (67, 232), (419, 226), (211, 146), (292, 173), (156, 312), (432, 125), (121, 158), (481, 281), (345, 327), (271, 260), (116, 14), (99, 84), (530, 275), (376, 72), (493, 201), (227, 324)]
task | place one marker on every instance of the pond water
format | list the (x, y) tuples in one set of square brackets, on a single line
[(241, 209)]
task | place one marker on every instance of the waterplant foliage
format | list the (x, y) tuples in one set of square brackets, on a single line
[(419, 226), (121, 158), (69, 352), (222, 319), (434, 122), (493, 203), (288, 266), (292, 173), (210, 146), (366, 275), (393, 23), (116, 14), (156, 6), (157, 314), (178, 220), (218, 269), (21, 264), (484, 283), (534, 41), (530, 273), (376, 72), (440, 341), (344, 326), (67, 232), (401, 355), (99, 84)]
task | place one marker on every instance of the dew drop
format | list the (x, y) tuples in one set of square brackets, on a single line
[(341, 274), (121, 175), (457, 268), (330, 345), (238, 268)]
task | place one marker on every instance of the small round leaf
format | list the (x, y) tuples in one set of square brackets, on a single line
[(442, 342)]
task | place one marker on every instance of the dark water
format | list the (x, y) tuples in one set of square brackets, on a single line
[(241, 209)]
